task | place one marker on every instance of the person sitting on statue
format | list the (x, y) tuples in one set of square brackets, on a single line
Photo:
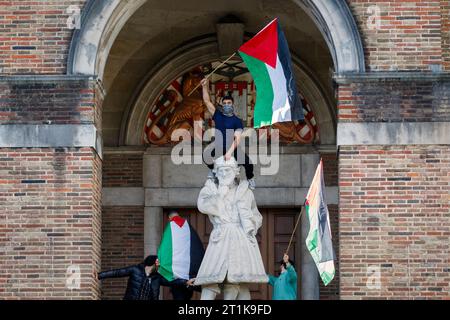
[(228, 131), (284, 286), (232, 259)]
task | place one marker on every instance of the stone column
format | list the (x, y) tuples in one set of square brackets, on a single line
[(153, 219), (153, 212)]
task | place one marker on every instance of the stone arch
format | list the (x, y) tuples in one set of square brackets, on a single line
[(101, 21), (204, 51), (338, 26)]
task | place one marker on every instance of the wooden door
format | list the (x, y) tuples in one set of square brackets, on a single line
[(273, 238), (281, 223)]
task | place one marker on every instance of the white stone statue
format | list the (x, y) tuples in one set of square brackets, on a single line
[(232, 259)]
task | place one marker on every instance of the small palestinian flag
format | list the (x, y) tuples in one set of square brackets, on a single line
[(268, 59), (319, 237), (180, 252)]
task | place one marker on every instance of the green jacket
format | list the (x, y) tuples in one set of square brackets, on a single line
[(284, 286)]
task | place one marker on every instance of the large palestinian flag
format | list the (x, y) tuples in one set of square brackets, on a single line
[(180, 252), (268, 59), (319, 237)]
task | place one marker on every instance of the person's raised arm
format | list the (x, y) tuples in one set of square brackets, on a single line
[(207, 97), (292, 275)]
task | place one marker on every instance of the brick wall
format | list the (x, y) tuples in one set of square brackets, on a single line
[(122, 227), (51, 221), (395, 217), (445, 9), (331, 292), (330, 168), (122, 245), (58, 101), (330, 171), (409, 36), (122, 170), (394, 101), (34, 36)]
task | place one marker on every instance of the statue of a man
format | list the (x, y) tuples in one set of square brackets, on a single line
[(232, 259)]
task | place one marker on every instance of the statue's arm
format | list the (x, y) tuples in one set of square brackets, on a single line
[(250, 217), (208, 199)]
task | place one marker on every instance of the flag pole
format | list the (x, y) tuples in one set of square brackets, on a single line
[(295, 229), (209, 75)]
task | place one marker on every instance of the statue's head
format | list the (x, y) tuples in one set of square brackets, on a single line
[(226, 171)]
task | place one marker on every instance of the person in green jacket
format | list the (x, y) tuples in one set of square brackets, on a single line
[(284, 286)]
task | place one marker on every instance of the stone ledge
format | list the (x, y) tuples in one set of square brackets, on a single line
[(45, 78), (348, 78), (118, 196), (397, 133), (50, 136), (265, 197)]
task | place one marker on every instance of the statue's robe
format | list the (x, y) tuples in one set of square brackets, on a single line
[(233, 252)]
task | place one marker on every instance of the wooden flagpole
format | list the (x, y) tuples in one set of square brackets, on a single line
[(209, 75), (295, 229)]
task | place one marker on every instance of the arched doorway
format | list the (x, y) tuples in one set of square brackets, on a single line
[(137, 48)]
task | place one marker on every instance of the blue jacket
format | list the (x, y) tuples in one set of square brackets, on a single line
[(284, 286)]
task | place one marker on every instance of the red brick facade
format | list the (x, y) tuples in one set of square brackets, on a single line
[(122, 245), (408, 36), (49, 101), (445, 6), (394, 101), (394, 215), (34, 36), (50, 220), (332, 292), (122, 226), (122, 170)]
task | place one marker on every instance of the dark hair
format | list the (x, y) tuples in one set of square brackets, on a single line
[(150, 260), (284, 264), (228, 96)]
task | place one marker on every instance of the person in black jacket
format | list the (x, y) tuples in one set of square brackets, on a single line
[(143, 279)]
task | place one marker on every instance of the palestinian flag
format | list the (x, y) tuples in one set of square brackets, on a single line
[(180, 252), (268, 59), (318, 240)]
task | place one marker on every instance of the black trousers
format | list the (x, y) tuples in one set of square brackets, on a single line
[(178, 288), (248, 165), (180, 292)]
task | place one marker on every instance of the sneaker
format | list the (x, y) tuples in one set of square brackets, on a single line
[(251, 184)]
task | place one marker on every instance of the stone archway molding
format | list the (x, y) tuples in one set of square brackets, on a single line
[(101, 21), (340, 31)]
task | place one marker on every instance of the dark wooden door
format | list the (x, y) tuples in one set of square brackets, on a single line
[(273, 239)]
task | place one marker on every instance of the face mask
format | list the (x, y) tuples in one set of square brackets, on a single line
[(228, 109)]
